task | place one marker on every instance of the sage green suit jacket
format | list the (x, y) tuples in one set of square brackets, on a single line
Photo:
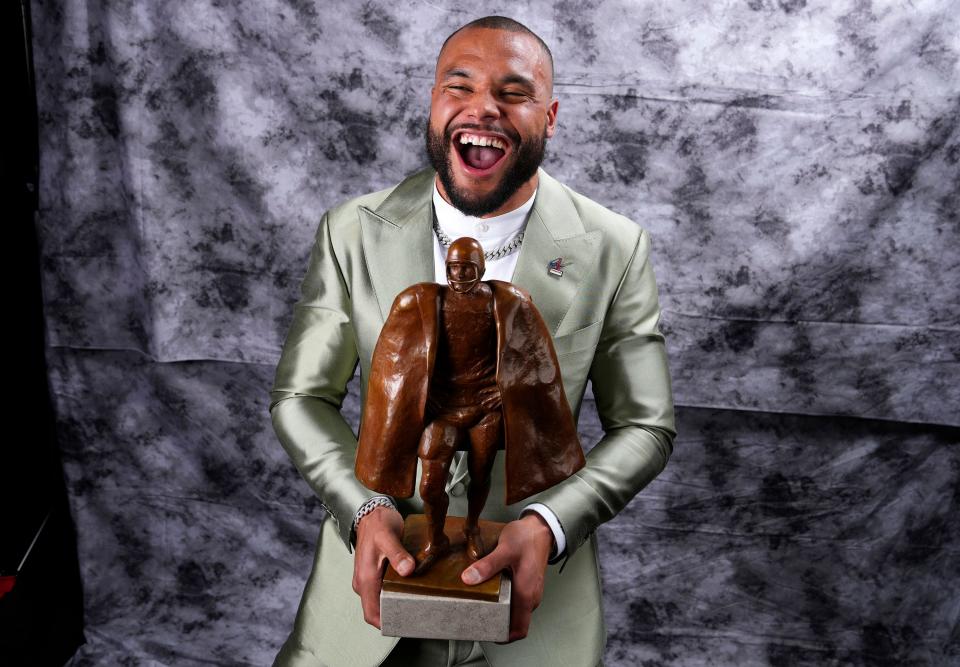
[(603, 314)]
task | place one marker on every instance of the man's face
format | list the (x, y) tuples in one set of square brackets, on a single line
[(491, 114), (462, 276)]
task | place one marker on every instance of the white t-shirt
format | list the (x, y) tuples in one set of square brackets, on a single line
[(492, 233)]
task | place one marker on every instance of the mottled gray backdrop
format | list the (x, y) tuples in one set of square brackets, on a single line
[(796, 163)]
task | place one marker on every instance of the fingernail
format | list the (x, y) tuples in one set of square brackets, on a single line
[(406, 566), (471, 576)]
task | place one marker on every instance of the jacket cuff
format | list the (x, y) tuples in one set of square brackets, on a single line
[(573, 503), (559, 539)]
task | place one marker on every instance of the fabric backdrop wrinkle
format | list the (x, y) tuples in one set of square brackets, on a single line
[(796, 165)]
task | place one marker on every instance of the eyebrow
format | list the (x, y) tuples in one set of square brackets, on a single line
[(509, 78), (456, 71), (522, 80)]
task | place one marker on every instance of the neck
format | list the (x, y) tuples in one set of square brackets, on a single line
[(516, 200)]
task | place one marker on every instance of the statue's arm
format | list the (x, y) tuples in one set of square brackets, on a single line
[(318, 360), (631, 385)]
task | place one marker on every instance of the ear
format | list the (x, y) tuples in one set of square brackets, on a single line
[(552, 117)]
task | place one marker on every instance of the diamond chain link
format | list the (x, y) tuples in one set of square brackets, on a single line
[(497, 253)]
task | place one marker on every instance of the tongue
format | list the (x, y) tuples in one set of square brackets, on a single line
[(481, 157)]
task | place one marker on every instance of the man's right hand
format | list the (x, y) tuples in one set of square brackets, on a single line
[(378, 541)]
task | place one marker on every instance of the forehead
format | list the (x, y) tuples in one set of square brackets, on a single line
[(494, 53)]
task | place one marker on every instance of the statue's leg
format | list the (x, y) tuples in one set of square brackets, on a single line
[(485, 440), (437, 445)]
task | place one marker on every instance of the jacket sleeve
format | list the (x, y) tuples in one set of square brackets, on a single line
[(318, 359), (631, 385)]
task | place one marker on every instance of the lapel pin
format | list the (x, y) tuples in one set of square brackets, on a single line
[(555, 267)]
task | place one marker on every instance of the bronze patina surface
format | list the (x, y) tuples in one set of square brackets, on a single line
[(468, 366), (443, 577)]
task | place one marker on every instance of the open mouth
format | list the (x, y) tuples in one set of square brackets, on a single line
[(480, 154)]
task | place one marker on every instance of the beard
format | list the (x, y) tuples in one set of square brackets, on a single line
[(527, 157)]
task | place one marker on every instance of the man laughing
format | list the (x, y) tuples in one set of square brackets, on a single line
[(587, 270), (491, 113)]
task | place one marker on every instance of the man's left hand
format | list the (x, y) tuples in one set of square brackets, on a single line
[(523, 548)]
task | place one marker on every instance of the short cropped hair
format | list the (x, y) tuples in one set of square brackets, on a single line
[(508, 24)]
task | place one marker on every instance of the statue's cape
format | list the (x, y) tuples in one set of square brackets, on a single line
[(542, 447)]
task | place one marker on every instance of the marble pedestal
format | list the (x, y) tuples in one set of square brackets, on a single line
[(437, 605)]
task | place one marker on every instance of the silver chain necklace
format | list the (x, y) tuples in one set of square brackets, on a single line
[(497, 253)]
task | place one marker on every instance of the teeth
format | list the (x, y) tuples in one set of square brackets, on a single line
[(477, 140)]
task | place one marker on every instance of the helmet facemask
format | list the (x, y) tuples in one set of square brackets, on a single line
[(465, 265)]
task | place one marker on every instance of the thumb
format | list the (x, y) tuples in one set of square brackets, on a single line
[(400, 559), (485, 568)]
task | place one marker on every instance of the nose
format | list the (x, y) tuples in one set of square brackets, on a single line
[(483, 105)]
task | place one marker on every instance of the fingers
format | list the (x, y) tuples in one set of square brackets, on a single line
[(523, 549), (526, 595), (490, 398), (523, 599), (367, 579), (400, 559), (519, 620), (493, 563), (491, 403), (378, 542)]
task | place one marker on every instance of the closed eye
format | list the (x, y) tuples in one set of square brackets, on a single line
[(515, 95)]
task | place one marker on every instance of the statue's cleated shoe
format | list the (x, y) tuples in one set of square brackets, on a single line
[(475, 549), (430, 554)]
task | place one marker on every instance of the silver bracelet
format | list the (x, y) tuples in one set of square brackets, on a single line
[(370, 505)]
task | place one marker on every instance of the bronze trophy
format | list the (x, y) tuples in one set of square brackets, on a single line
[(469, 366)]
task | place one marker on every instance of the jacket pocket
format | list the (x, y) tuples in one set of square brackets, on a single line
[(575, 353), (583, 338)]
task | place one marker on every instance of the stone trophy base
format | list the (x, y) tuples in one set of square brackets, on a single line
[(436, 604)]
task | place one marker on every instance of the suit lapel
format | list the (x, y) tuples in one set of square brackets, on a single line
[(554, 231), (398, 246), (398, 239)]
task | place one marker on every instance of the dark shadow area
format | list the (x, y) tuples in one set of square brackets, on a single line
[(41, 617)]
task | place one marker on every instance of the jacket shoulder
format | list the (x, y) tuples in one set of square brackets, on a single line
[(616, 227), (411, 191), (346, 212)]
